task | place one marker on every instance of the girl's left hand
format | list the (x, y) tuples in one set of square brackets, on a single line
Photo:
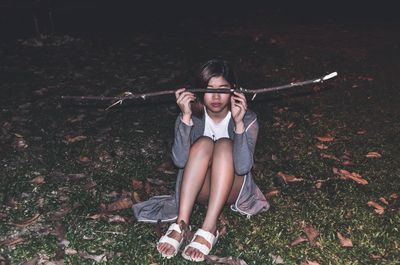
[(238, 108)]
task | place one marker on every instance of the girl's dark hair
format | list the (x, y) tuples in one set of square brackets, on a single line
[(212, 68)]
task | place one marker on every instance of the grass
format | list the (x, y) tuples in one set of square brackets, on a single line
[(359, 108)]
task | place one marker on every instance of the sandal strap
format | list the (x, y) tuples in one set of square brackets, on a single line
[(174, 227), (200, 247), (173, 242), (207, 236)]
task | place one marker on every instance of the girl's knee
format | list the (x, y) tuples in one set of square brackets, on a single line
[(224, 143), (202, 145)]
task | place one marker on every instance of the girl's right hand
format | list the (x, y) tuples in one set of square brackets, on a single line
[(183, 99)]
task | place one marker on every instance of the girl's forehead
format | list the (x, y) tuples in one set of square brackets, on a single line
[(218, 80)]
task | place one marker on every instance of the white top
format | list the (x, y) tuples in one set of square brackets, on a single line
[(216, 130)]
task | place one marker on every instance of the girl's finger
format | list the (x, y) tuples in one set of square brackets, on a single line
[(178, 92), (183, 95), (241, 101)]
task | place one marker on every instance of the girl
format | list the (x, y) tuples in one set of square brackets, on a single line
[(215, 137)]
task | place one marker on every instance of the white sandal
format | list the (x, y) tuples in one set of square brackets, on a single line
[(209, 237), (169, 240)]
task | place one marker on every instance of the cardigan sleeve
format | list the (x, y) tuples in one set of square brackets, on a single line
[(181, 145), (243, 148)]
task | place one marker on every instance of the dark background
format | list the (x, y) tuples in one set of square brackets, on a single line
[(98, 17)]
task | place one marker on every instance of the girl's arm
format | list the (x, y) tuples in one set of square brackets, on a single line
[(183, 126), (243, 148), (181, 145)]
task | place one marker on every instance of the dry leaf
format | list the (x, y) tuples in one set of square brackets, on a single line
[(373, 256), (73, 139), (347, 163), (373, 155), (329, 156), (377, 208), (120, 204), (322, 146), (318, 184), (117, 219), (344, 242), (137, 184), (97, 258), (271, 194), (298, 240), (383, 200), (290, 125), (33, 261), (361, 132), (394, 196), (135, 196), (12, 241), (38, 180), (311, 234), (288, 178), (344, 174), (27, 222), (325, 138), (212, 259), (84, 159), (308, 262), (167, 168)]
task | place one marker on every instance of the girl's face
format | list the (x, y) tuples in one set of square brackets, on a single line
[(217, 102)]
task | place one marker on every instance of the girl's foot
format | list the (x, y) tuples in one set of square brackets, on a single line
[(169, 244), (194, 253)]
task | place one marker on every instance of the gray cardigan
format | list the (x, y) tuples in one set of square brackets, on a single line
[(250, 200)]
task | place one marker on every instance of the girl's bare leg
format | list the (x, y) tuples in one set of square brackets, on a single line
[(223, 187), (194, 175)]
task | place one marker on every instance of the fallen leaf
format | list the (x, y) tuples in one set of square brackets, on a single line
[(117, 219), (84, 159), (288, 178), (383, 200), (373, 256), (344, 242), (357, 178), (156, 181), (311, 234), (361, 132), (347, 163), (344, 174), (394, 196), (212, 259), (325, 138), (73, 139), (167, 168), (308, 262), (271, 194), (33, 261), (298, 240), (318, 184), (27, 222), (290, 125), (276, 259), (137, 184), (97, 258), (377, 208), (12, 241), (136, 197), (329, 156), (38, 180), (120, 204), (322, 146), (373, 155)]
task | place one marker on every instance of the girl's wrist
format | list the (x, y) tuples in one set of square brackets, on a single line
[(239, 127), (186, 118)]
